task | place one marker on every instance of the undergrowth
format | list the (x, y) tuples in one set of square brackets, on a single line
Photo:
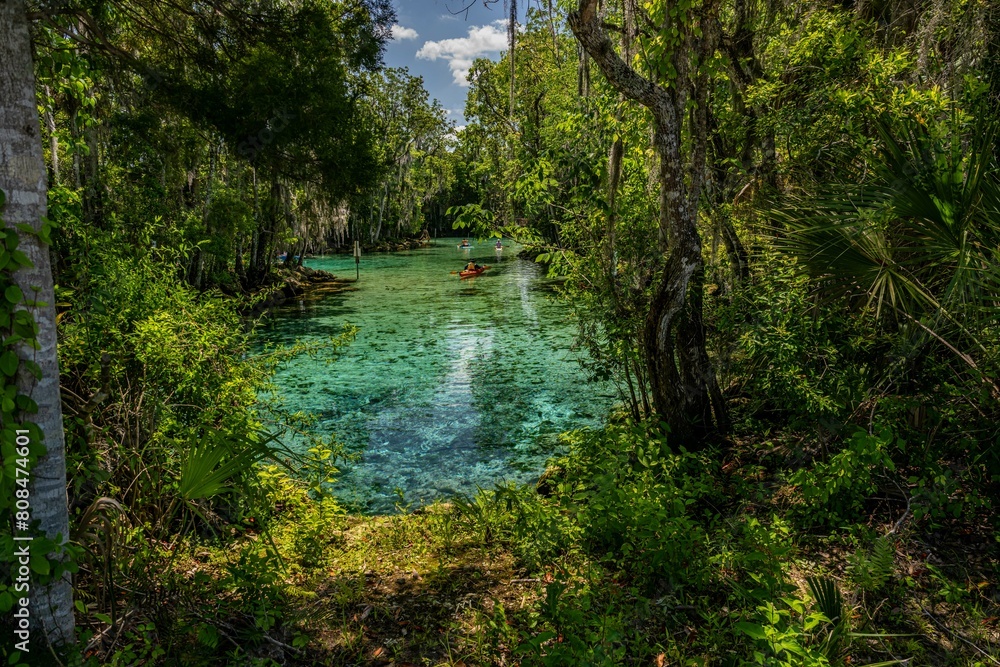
[(630, 552)]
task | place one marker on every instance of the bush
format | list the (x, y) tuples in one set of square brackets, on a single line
[(638, 503), (836, 490), (778, 349)]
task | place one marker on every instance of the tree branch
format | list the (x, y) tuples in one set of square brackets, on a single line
[(587, 26)]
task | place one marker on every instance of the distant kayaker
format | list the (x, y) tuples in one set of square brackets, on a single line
[(466, 244), (499, 245)]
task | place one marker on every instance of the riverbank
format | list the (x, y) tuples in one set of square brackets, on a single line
[(299, 282), (386, 245)]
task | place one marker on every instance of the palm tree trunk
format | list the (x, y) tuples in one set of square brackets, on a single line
[(23, 180)]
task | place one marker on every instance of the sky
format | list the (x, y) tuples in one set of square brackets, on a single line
[(439, 45)]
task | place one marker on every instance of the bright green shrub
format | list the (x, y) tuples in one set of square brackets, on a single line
[(836, 490), (787, 357), (637, 503), (175, 431)]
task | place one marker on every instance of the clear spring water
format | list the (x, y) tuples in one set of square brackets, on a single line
[(451, 384)]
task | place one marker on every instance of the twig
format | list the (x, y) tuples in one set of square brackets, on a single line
[(113, 630), (958, 634), (909, 503), (219, 624)]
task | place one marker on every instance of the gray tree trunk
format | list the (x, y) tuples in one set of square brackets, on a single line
[(683, 384), (50, 123), (22, 178)]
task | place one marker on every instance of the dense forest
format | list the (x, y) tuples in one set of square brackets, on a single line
[(777, 227)]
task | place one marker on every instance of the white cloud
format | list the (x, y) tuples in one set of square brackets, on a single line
[(453, 135), (399, 32), (461, 51)]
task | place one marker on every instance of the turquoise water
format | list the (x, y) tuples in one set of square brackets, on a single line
[(451, 384)]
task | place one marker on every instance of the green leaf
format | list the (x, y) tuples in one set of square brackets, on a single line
[(32, 368), (208, 635), (26, 403), (14, 294), (752, 629), (8, 363), (21, 259), (39, 563)]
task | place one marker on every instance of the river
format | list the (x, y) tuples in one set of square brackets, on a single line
[(451, 384)]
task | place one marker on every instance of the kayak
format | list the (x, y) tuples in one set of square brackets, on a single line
[(471, 274), (465, 247)]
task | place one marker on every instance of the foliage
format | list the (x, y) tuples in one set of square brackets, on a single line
[(836, 490), (848, 228), (639, 505), (416, 154), (239, 133), (776, 348), (870, 569)]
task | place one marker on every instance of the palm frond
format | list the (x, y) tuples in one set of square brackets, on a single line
[(918, 238)]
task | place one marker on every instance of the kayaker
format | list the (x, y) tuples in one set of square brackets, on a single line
[(466, 244), (472, 266), (499, 245)]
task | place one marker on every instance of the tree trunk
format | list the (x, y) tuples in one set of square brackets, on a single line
[(552, 29), (737, 253), (681, 377), (50, 124), (381, 212), (674, 339), (241, 272), (23, 180), (93, 190), (199, 268), (512, 40)]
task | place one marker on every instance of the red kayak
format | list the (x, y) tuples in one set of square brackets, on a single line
[(471, 274)]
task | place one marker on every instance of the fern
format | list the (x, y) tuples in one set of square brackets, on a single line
[(871, 570)]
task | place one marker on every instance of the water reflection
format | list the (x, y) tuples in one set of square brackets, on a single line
[(450, 384)]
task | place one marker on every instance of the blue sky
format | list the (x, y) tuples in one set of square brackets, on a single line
[(439, 45)]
